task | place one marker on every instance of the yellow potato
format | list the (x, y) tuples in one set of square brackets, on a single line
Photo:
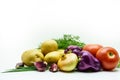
[(49, 46), (53, 57), (30, 56)]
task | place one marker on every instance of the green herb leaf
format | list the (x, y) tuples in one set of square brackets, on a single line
[(67, 40)]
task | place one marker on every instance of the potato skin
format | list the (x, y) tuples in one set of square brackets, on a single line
[(49, 46), (28, 57), (53, 57)]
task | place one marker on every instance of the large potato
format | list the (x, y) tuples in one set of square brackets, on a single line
[(30, 56), (49, 46), (53, 57)]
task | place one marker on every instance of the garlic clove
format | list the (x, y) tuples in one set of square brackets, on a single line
[(40, 66), (53, 67)]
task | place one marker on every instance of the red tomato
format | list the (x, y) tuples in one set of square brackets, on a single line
[(92, 48), (108, 57)]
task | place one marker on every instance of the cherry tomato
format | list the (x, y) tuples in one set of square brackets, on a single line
[(108, 57), (92, 48)]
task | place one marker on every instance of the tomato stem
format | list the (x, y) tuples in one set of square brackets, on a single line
[(111, 54)]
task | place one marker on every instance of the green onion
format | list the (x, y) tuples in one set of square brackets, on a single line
[(22, 69)]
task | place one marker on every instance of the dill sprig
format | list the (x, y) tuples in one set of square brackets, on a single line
[(67, 40)]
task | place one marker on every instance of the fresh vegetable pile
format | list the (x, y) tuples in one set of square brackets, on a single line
[(68, 54)]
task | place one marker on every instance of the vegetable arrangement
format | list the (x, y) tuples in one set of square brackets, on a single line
[(68, 54)]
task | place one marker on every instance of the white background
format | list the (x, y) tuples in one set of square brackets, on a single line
[(24, 24)]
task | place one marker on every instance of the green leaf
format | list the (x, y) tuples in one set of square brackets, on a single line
[(67, 40), (118, 65), (22, 69)]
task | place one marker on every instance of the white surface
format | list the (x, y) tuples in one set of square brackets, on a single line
[(24, 24), (61, 76)]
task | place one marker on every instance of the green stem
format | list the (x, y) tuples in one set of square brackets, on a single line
[(22, 69)]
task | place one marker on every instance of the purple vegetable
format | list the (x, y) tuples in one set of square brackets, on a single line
[(73, 49), (40, 66), (88, 62), (53, 67)]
